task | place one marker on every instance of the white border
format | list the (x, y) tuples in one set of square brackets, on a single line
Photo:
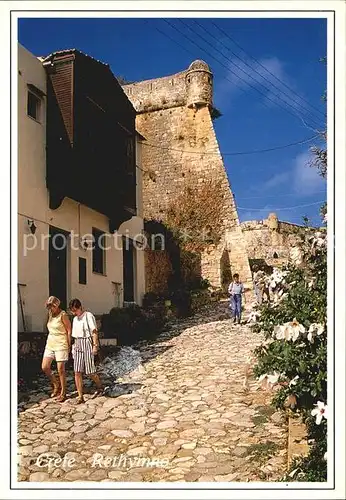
[(265, 490)]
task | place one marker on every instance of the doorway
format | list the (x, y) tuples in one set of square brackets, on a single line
[(58, 241), (128, 269)]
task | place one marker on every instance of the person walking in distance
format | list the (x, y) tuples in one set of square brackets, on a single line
[(85, 347), (57, 347), (236, 289), (258, 280)]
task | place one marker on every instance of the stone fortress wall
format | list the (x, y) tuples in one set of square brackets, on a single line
[(271, 239), (174, 116)]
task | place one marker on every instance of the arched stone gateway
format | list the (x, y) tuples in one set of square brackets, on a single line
[(174, 117)]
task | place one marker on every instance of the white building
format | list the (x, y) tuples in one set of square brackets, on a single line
[(95, 276)]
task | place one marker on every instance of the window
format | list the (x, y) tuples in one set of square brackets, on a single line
[(275, 256), (128, 269), (98, 251), (82, 271), (34, 106)]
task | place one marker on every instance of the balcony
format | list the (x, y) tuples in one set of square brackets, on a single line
[(90, 137)]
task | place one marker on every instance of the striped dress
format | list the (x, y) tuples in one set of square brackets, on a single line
[(83, 358)]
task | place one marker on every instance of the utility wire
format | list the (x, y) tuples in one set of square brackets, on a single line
[(233, 82), (266, 69), (271, 196), (190, 52), (237, 76), (304, 141), (253, 69), (171, 38), (283, 208)]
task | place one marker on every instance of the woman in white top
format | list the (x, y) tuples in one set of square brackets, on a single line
[(85, 347)]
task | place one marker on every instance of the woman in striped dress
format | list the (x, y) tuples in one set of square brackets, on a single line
[(85, 347)]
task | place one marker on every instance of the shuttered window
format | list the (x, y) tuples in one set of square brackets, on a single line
[(82, 271), (33, 106), (99, 254)]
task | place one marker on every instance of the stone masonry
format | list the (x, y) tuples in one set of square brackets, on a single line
[(271, 240), (174, 116), (184, 414)]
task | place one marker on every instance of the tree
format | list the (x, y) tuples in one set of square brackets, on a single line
[(319, 156), (319, 153), (294, 357), (215, 113), (196, 215)]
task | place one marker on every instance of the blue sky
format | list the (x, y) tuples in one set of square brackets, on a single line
[(246, 90)]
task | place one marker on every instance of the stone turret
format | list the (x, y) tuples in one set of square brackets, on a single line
[(174, 116), (199, 85), (272, 222)]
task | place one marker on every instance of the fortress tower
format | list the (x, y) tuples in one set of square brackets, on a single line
[(174, 116)]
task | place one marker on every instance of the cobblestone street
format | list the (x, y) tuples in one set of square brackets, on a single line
[(188, 405)]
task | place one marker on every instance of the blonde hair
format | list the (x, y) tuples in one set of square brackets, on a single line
[(52, 301)]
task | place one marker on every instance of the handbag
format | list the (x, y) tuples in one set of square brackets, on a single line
[(98, 358)]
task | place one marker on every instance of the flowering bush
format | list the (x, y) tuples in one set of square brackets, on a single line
[(294, 357)]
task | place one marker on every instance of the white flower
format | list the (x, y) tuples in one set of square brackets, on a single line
[(282, 332), (289, 331), (293, 473), (269, 379), (296, 255), (253, 316), (272, 379), (315, 329), (311, 283), (320, 411), (272, 284), (294, 381), (297, 329), (319, 240)]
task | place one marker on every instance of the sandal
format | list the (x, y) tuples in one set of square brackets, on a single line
[(80, 400), (61, 398), (56, 390)]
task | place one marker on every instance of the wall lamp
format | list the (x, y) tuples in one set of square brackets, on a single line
[(84, 243), (32, 226)]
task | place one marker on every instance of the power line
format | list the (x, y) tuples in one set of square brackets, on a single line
[(304, 141), (171, 38), (271, 196), (190, 52), (266, 69), (311, 118), (256, 71), (237, 76), (282, 208)]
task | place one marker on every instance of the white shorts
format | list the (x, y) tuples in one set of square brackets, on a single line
[(61, 355)]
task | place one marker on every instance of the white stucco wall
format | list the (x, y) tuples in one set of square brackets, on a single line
[(98, 295)]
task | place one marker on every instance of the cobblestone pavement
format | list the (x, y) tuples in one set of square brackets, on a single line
[(188, 409)]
